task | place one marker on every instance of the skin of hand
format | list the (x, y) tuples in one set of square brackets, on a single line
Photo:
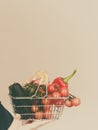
[(28, 125)]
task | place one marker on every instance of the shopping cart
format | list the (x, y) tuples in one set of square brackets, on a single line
[(33, 108)]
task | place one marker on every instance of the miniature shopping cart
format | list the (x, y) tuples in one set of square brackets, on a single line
[(33, 107)]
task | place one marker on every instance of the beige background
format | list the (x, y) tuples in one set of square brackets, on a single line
[(56, 36)]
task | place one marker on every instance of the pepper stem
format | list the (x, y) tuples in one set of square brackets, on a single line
[(66, 79)]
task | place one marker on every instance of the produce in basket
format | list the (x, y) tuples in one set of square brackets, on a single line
[(63, 82), (42, 91), (16, 90), (41, 99), (37, 86), (30, 88), (41, 77)]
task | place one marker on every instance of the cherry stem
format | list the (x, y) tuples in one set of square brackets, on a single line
[(71, 96)]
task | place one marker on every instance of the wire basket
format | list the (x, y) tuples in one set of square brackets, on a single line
[(35, 108)]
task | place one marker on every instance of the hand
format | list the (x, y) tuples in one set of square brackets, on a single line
[(27, 125), (34, 125)]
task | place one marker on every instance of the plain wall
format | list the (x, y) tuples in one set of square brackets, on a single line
[(57, 36)]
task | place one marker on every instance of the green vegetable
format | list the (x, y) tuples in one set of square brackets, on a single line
[(31, 88), (16, 90), (41, 92), (18, 94)]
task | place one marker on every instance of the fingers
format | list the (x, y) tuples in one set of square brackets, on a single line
[(16, 123), (17, 117), (35, 125), (42, 123)]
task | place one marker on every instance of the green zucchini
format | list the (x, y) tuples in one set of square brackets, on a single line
[(20, 104), (16, 90)]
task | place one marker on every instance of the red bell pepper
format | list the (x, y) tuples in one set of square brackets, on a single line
[(63, 82), (53, 87)]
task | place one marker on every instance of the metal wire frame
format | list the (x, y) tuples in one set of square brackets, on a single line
[(23, 105)]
